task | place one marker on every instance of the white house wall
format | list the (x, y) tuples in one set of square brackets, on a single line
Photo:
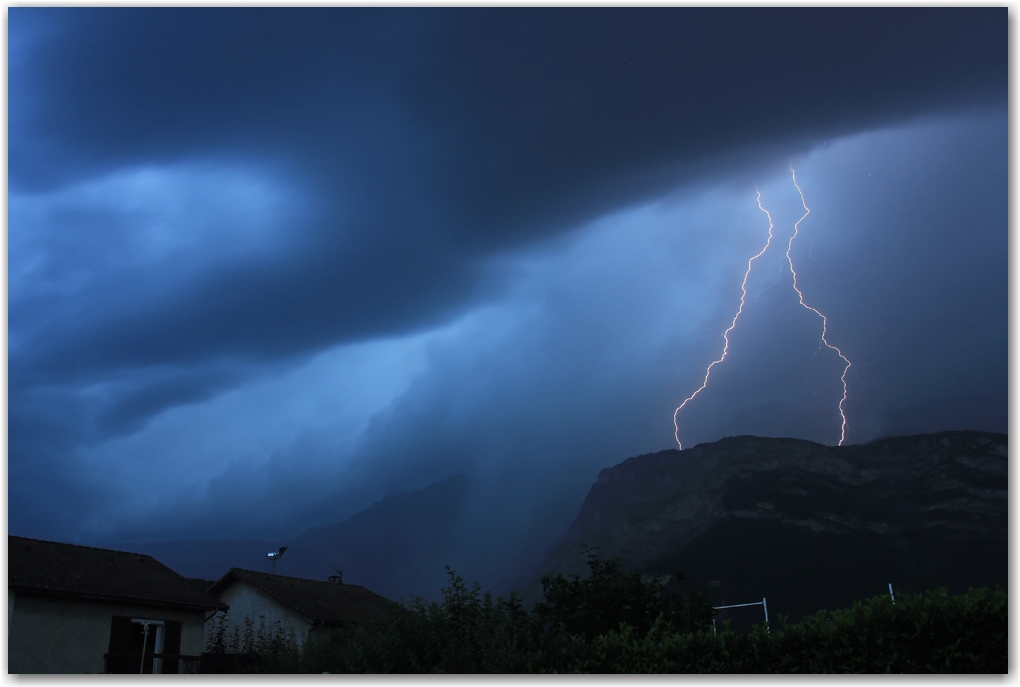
[(67, 635), (246, 601)]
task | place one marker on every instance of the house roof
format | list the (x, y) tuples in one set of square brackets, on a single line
[(330, 603), (49, 567)]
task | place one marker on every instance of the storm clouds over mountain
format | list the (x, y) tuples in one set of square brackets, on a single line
[(267, 266)]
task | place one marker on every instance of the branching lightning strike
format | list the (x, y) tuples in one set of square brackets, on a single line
[(740, 310), (726, 334), (825, 320)]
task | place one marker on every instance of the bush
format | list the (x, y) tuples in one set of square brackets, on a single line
[(272, 649), (467, 633), (614, 622), (611, 596), (932, 632)]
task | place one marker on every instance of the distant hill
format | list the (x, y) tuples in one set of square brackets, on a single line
[(804, 525), (205, 559), (396, 547)]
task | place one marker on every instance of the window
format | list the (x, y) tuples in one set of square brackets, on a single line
[(143, 645)]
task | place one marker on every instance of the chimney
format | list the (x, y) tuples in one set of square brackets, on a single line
[(337, 579)]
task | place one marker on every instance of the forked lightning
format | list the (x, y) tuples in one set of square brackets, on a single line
[(740, 310)]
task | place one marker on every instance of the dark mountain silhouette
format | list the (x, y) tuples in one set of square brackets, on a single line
[(396, 547), (205, 559), (804, 525)]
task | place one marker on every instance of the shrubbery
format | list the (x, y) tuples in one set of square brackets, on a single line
[(615, 622), (932, 632), (262, 649), (611, 596)]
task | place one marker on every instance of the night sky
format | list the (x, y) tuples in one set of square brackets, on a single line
[(267, 266)]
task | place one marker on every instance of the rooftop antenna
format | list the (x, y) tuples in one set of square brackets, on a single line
[(274, 555), (339, 577)]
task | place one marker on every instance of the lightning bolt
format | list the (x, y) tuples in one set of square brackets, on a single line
[(726, 334), (800, 296)]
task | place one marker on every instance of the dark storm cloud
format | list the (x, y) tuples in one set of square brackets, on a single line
[(47, 491), (581, 363), (202, 200), (444, 134), (580, 360)]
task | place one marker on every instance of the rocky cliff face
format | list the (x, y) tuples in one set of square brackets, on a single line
[(805, 525)]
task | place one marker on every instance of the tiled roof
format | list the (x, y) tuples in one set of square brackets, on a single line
[(330, 603), (83, 571)]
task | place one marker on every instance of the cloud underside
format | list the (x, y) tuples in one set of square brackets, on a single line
[(281, 263)]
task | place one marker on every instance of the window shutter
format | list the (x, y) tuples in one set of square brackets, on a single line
[(171, 644), (120, 658), (120, 634)]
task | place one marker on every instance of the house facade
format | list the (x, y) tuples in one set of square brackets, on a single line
[(80, 609), (300, 607)]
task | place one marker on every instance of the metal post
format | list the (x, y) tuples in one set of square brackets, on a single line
[(766, 607), (145, 639), (891, 594)]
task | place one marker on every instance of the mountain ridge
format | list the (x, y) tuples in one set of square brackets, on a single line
[(809, 524), (805, 524)]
